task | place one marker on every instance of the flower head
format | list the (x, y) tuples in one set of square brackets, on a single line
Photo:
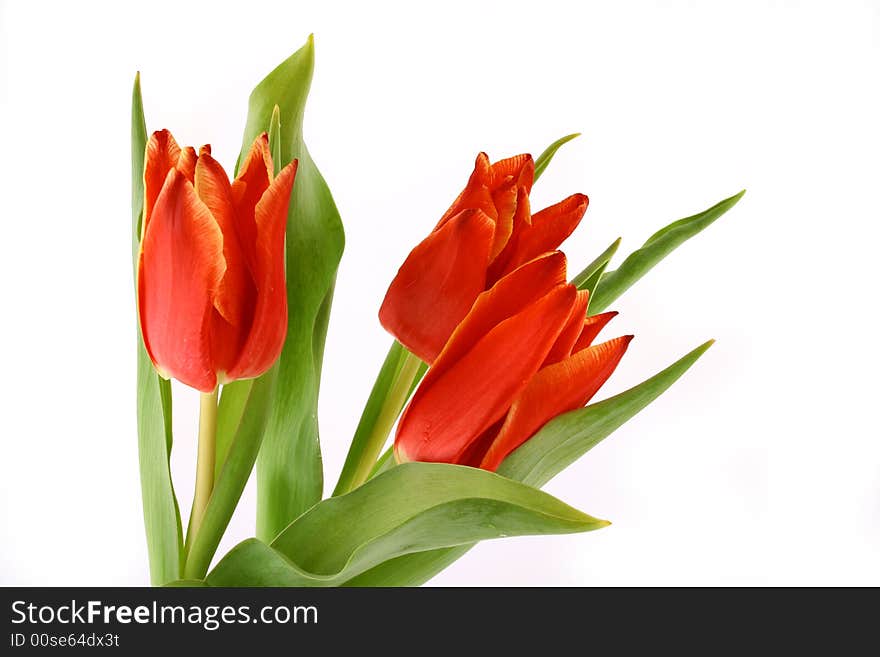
[(487, 233), (522, 355), (211, 281)]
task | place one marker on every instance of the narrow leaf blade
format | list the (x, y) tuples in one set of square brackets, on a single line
[(161, 512), (544, 158), (589, 278), (569, 436), (662, 243)]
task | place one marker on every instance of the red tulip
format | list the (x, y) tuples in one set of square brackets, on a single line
[(521, 356), (487, 232), (211, 280)]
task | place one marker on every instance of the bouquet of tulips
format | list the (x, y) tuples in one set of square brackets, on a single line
[(488, 381)]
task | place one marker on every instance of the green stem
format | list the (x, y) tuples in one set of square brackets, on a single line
[(396, 381), (205, 463)]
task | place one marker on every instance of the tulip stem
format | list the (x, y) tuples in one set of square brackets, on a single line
[(395, 383), (205, 461)]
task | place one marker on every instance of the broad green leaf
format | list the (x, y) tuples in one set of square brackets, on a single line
[(559, 443), (289, 473), (233, 476), (411, 508), (161, 513), (410, 569), (662, 243), (589, 277), (544, 158), (392, 388)]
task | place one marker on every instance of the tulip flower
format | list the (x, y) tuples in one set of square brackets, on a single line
[(487, 233), (520, 357), (211, 279)]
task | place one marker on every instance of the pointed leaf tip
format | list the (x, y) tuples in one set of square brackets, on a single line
[(544, 158)]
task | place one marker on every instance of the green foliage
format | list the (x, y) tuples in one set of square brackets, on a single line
[(161, 512), (411, 508)]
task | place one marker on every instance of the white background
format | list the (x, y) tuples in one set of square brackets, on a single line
[(761, 466)]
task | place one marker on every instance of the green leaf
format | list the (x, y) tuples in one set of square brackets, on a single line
[(186, 584), (410, 569), (569, 436), (411, 508), (161, 513), (544, 158), (589, 277), (559, 443), (289, 473), (233, 476), (660, 244)]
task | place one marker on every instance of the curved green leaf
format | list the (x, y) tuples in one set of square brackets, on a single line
[(289, 473), (659, 245), (412, 508), (559, 443), (544, 158), (161, 513)]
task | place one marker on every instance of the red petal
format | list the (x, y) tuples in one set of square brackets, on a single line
[(180, 270), (451, 410), (186, 164), (236, 295), (547, 231), (477, 195), (162, 155), (571, 332), (269, 328), (254, 178), (522, 220), (520, 167), (437, 284), (504, 199), (508, 297), (561, 387), (591, 328)]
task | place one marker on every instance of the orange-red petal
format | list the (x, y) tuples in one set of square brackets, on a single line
[(509, 296), (593, 325), (504, 199), (556, 389), (548, 229), (438, 283), (162, 155), (236, 295), (186, 163), (254, 177), (572, 331), (269, 328), (477, 194), (520, 167), (181, 265), (450, 411)]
